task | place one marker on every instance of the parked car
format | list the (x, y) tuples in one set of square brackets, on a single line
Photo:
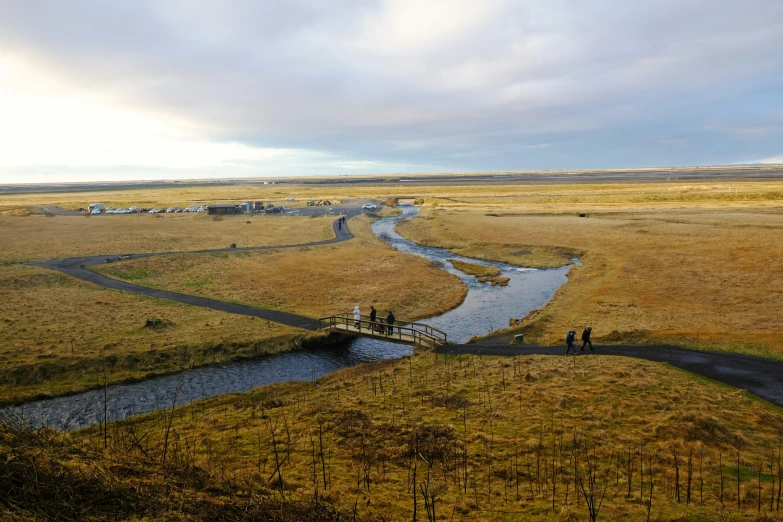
[(370, 206), (289, 198), (96, 212), (171, 209)]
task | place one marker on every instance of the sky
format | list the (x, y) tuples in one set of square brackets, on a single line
[(93, 90)]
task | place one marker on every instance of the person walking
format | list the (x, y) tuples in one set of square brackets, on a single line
[(390, 321), (570, 338), (373, 316), (586, 338), (357, 316)]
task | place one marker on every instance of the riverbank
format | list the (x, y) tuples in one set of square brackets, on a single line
[(699, 277), (495, 435)]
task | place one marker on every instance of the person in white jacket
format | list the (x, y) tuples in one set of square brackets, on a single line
[(357, 316)]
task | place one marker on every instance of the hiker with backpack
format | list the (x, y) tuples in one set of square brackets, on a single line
[(570, 338), (586, 338)]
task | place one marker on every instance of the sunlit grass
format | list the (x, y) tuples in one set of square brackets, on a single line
[(487, 435), (315, 281), (37, 237), (696, 277)]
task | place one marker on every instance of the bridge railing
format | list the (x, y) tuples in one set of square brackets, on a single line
[(418, 334)]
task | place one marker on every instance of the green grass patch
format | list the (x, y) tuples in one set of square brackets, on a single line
[(198, 283)]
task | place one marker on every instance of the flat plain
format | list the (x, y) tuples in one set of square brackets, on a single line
[(698, 272), (317, 281), (37, 237)]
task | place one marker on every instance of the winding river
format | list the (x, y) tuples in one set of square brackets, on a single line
[(485, 308)]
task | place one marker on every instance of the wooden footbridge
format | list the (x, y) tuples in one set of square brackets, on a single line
[(414, 334)]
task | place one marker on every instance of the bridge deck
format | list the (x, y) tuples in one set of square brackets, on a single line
[(397, 336), (414, 334)]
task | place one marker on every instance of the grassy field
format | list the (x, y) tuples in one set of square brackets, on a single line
[(59, 334), (700, 275), (544, 195), (36, 237), (316, 281), (478, 438), (482, 438)]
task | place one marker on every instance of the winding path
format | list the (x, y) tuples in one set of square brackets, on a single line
[(78, 267), (762, 377)]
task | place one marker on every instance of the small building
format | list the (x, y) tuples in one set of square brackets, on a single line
[(245, 207), (221, 209), (258, 206)]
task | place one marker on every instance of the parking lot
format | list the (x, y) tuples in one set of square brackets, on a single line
[(305, 208)]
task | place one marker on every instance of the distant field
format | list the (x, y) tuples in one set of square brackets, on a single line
[(43, 311), (315, 281), (37, 237), (699, 273), (541, 196)]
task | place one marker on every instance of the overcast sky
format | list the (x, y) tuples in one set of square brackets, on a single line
[(95, 90)]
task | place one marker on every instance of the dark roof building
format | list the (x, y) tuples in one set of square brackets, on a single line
[(222, 209)]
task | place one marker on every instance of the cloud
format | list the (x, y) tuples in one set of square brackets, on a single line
[(457, 84), (774, 160)]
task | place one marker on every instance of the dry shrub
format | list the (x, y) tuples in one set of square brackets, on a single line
[(44, 477), (451, 402), (392, 202), (707, 429)]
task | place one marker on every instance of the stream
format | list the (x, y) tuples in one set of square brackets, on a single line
[(484, 309)]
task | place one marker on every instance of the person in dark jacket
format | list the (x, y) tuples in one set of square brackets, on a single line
[(390, 321), (586, 338), (373, 316), (570, 338)]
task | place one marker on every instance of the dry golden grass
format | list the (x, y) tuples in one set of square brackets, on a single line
[(44, 310), (543, 196), (703, 277), (484, 274), (495, 430), (39, 237), (475, 269), (315, 281)]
